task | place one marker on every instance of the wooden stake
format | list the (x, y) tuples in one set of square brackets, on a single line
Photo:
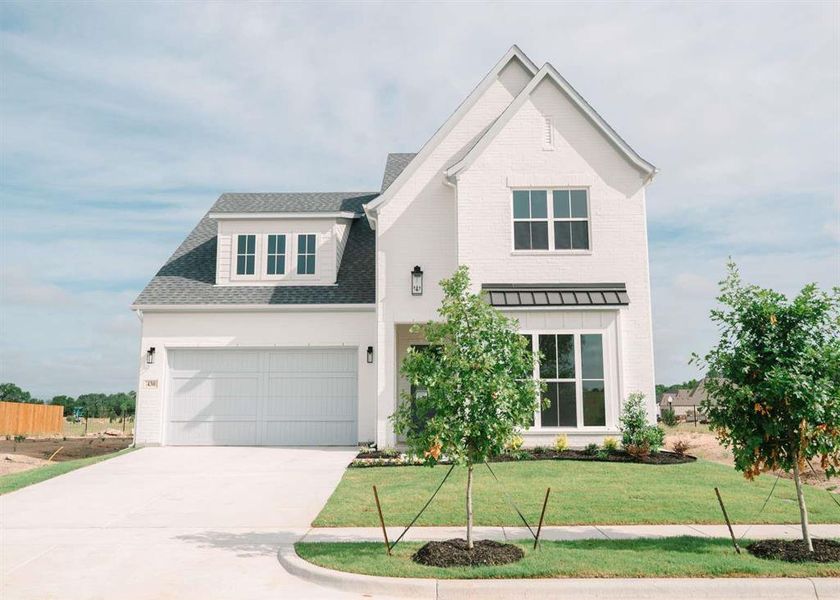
[(382, 521), (728, 524), (542, 517), (54, 453)]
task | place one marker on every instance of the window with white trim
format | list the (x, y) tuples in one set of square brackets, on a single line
[(562, 224), (276, 254), (306, 254), (246, 254), (572, 368)]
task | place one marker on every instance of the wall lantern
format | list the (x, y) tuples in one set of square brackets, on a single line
[(150, 355), (370, 354), (417, 282)]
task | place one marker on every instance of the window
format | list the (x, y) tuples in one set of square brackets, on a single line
[(306, 254), (246, 253), (571, 221), (572, 367), (530, 220), (276, 255), (568, 214)]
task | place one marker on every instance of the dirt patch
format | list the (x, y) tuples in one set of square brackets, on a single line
[(454, 553), (795, 550), (71, 448), (18, 463)]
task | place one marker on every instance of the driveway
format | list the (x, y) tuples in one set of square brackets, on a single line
[(164, 523)]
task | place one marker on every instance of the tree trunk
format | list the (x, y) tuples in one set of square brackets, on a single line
[(803, 511), (469, 506)]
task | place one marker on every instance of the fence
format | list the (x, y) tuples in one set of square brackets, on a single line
[(18, 418)]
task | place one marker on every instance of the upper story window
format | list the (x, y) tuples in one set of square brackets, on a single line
[(306, 254), (276, 254), (568, 214), (246, 254)]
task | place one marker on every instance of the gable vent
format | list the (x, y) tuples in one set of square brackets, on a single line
[(548, 132)]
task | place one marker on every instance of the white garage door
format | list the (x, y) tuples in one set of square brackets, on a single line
[(295, 397)]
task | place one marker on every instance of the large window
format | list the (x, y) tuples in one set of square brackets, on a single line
[(306, 254), (567, 214), (572, 367), (276, 254), (246, 253)]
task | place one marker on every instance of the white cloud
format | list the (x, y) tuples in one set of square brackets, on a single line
[(122, 122)]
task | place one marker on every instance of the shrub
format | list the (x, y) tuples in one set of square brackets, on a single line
[(681, 447), (591, 449), (639, 437), (610, 444), (514, 444), (669, 417), (20, 438), (561, 442)]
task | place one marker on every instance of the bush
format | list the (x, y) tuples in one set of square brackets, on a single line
[(20, 438), (591, 450), (639, 437), (681, 447), (561, 442), (669, 417), (610, 444), (514, 444)]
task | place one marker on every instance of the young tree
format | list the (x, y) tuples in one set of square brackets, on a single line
[(477, 375), (773, 380)]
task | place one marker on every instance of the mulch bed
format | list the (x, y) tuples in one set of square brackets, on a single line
[(454, 553), (795, 550), (378, 458)]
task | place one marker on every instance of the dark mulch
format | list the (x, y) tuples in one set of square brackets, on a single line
[(795, 550), (454, 553)]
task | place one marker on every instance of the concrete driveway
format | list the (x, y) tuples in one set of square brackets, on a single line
[(163, 523)]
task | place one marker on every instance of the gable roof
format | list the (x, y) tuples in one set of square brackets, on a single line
[(549, 72), (189, 276), (514, 53), (293, 202), (394, 165)]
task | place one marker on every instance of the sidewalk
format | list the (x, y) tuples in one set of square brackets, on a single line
[(578, 532)]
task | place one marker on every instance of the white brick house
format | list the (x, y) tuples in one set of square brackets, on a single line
[(282, 318)]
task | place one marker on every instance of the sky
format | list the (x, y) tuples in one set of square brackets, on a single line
[(121, 123)]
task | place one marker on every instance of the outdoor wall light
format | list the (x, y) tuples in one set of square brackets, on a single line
[(370, 354), (417, 282), (150, 355)]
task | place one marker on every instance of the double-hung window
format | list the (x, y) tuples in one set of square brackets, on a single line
[(306, 254), (572, 368), (559, 224), (276, 254), (246, 254)]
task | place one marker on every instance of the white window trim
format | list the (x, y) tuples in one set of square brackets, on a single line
[(317, 261), (285, 274), (234, 276), (550, 211), (578, 380)]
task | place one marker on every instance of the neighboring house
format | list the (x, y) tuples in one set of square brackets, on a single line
[(685, 402), (283, 318)]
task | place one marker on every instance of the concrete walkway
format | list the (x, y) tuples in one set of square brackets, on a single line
[(582, 532)]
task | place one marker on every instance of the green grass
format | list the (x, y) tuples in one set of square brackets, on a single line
[(581, 493), (671, 557), (16, 481)]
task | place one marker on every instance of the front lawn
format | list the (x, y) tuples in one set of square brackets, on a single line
[(15, 481), (670, 557), (581, 493)]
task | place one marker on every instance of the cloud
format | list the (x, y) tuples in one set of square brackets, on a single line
[(123, 122)]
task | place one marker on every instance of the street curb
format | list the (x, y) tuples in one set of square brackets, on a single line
[(817, 588)]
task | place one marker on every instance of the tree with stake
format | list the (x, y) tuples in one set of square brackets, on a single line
[(477, 375), (773, 380)]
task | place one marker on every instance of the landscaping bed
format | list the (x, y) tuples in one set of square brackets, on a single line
[(669, 557), (583, 493), (825, 551), (455, 553), (72, 448), (388, 458)]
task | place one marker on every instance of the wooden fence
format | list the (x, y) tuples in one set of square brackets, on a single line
[(18, 418)]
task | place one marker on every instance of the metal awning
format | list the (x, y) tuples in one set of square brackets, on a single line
[(555, 294)]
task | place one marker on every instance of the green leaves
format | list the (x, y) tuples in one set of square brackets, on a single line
[(476, 377)]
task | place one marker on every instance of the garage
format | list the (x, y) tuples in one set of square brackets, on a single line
[(252, 397)]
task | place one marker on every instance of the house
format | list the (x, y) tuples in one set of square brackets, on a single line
[(685, 402), (283, 317)]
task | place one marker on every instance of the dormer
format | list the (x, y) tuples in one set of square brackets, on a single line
[(291, 239)]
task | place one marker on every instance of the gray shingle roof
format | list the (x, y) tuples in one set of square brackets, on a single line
[(294, 202), (394, 165), (189, 276)]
